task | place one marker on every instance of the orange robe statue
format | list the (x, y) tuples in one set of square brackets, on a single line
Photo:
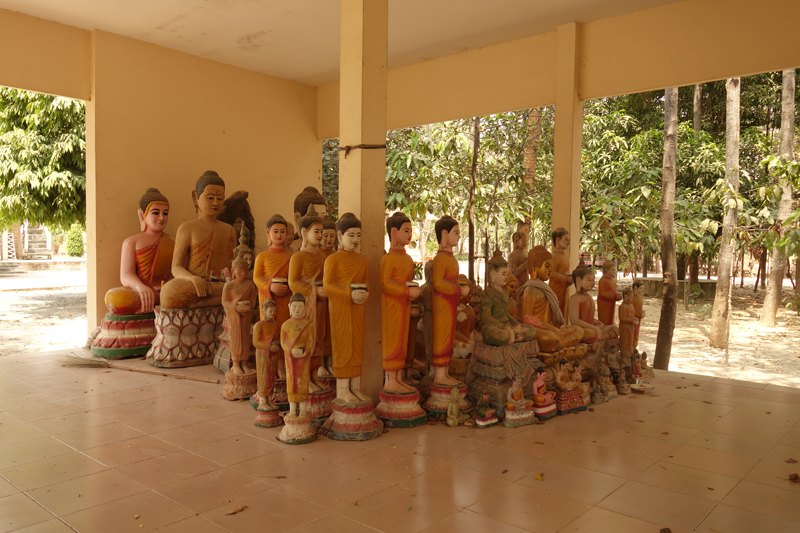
[(267, 343), (297, 333), (446, 295), (397, 268), (305, 268), (273, 263), (606, 299), (627, 326), (638, 307)]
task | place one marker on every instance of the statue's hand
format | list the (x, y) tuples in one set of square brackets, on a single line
[(464, 291), (279, 289), (201, 286), (147, 297)]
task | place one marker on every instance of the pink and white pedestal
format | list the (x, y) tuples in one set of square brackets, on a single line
[(319, 405), (400, 409), (268, 418), (352, 421), (523, 417), (437, 402), (297, 430), (545, 412)]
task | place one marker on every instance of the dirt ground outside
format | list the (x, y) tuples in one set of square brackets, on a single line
[(55, 319)]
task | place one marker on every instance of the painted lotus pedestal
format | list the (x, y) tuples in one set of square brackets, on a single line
[(345, 279), (128, 328), (399, 400), (189, 320)]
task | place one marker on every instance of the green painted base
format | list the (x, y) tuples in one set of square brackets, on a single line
[(120, 353), (405, 422)]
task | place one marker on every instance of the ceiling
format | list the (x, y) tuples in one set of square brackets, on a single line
[(299, 39)]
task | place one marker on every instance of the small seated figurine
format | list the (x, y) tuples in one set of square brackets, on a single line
[(581, 309), (498, 328), (584, 388), (572, 395), (610, 390), (599, 394), (623, 388), (454, 414), (541, 396), (486, 416), (647, 372), (540, 308), (636, 370), (607, 295), (239, 298), (515, 401), (627, 324), (565, 380)]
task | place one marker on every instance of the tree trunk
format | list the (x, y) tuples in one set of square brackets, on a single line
[(531, 156), (698, 110), (669, 301), (720, 313), (423, 242), (645, 260), (741, 284), (778, 271), (763, 261), (758, 274), (476, 143), (681, 268)]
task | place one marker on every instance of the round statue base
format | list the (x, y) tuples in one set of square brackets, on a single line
[(124, 336), (352, 421), (642, 388), (185, 337), (297, 430), (400, 409), (570, 401), (279, 397), (319, 405), (328, 381), (522, 417), (437, 402), (545, 412), (489, 421), (239, 386), (268, 418), (623, 390)]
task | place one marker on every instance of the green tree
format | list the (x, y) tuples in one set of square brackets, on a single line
[(75, 241), (42, 159)]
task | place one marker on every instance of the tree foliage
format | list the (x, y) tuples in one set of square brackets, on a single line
[(42, 159)]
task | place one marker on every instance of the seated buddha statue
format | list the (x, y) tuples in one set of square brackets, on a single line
[(539, 305), (498, 327), (515, 399), (568, 380), (581, 309), (146, 260), (203, 250)]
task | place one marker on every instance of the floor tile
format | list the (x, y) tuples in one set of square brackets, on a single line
[(748, 446), (126, 411), (219, 409), (119, 516), (18, 511), (457, 485), (283, 466), (711, 460), (585, 432), (662, 507), (530, 509), (7, 489), (14, 403), (607, 461), (661, 430), (337, 452), (189, 437), (64, 424), (775, 475), (195, 524), (780, 453), (746, 429), (13, 432), (792, 438), (235, 449), (333, 523), (773, 501), (573, 482), (508, 465), (51, 526), (335, 487), (32, 450), (273, 509), (637, 445), (597, 520), (101, 401), (169, 468), (207, 491), (393, 464), (52, 470), (399, 510), (85, 492), (688, 480), (735, 520), (540, 444), (441, 445), (49, 410), (130, 451), (471, 522), (95, 436)]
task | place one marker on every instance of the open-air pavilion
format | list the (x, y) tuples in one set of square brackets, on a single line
[(250, 89)]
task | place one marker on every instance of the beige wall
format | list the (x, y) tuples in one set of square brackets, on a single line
[(160, 118)]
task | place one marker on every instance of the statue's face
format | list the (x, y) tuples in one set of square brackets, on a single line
[(403, 235), (562, 243), (276, 235), (211, 201), (240, 272), (328, 238), (610, 271), (249, 259), (543, 271), (350, 239), (157, 217), (627, 297), (512, 287), (269, 312), (500, 277), (520, 243), (452, 237), (314, 234), (587, 282), (297, 309), (638, 290)]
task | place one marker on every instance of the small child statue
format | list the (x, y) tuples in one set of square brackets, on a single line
[(267, 343), (454, 414), (627, 325), (607, 295), (239, 297)]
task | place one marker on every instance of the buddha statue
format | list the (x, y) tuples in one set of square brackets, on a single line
[(305, 277), (297, 342), (426, 300), (397, 293), (290, 240), (445, 298), (560, 280), (328, 244), (308, 201), (498, 328), (486, 415), (345, 280), (454, 414), (146, 260), (515, 399), (465, 316), (570, 380), (518, 259), (540, 307), (627, 325), (638, 306), (581, 309), (271, 272), (266, 339), (203, 250), (513, 308), (239, 299), (541, 396), (607, 295)]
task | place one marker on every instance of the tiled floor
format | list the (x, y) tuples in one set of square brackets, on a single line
[(100, 450)]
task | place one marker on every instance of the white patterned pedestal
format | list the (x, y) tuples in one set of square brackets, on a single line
[(185, 337)]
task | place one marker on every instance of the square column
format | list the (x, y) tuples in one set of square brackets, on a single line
[(362, 171), (568, 139)]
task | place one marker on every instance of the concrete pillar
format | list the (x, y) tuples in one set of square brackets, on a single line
[(568, 139), (362, 112)]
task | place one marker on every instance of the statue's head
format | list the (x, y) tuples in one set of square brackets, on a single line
[(153, 211), (541, 376), (328, 232), (240, 268), (560, 239), (268, 309), (297, 305), (428, 271), (627, 295), (609, 268), (209, 194), (289, 235), (498, 270), (511, 283), (398, 227), (308, 201), (447, 232), (311, 230), (348, 230), (455, 394), (520, 240), (583, 278), (277, 229), (638, 287), (463, 281), (563, 364), (540, 261)]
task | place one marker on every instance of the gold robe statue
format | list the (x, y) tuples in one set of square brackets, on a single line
[(297, 333), (343, 269)]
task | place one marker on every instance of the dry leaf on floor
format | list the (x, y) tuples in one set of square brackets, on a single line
[(665, 530), (642, 421), (704, 401), (236, 510), (135, 516), (504, 471), (794, 477), (538, 442), (790, 460), (710, 488), (665, 432), (539, 477)]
